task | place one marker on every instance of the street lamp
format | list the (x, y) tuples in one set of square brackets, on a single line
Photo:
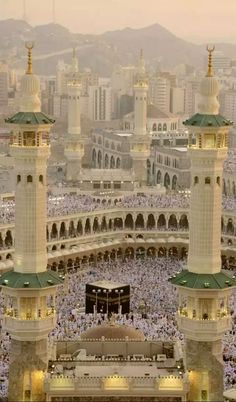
[(107, 291), (95, 310), (119, 291)]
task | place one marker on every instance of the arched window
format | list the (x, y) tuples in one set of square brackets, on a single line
[(218, 180), (41, 178), (159, 127), (18, 178), (164, 127), (154, 127), (207, 180), (29, 179)]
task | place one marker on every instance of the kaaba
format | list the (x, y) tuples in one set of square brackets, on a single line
[(107, 297)]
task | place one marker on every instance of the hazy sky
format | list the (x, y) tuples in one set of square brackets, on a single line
[(196, 20)]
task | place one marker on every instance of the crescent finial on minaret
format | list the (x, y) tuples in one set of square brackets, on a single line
[(29, 46), (210, 71)]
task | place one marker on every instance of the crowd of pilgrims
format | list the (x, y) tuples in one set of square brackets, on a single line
[(68, 204), (149, 287)]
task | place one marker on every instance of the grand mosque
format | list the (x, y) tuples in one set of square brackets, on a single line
[(127, 196)]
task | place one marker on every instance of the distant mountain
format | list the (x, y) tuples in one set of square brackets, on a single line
[(99, 52)]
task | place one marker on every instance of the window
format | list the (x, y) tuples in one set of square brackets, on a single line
[(207, 180), (196, 180), (41, 178), (29, 139), (218, 180), (29, 179), (18, 178)]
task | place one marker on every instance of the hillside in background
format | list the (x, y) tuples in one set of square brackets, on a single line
[(99, 52)]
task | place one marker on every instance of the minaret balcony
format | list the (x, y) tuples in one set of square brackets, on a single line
[(205, 329), (29, 329)]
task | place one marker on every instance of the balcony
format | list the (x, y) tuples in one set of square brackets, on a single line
[(203, 330), (29, 329)]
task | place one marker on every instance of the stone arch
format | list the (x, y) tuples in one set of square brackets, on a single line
[(118, 164), (71, 231), (106, 161), (99, 159), (230, 227), (94, 158), (129, 252), (173, 252), (112, 162), (8, 239), (95, 225), (87, 228), (106, 256), (159, 177), (172, 222), (151, 252), (139, 222), (174, 182), (140, 252), (54, 231), (113, 254), (183, 222), (154, 127), (162, 252), (159, 127), (164, 127), (118, 223), (129, 222), (161, 223), (104, 224), (167, 180), (151, 224), (62, 232), (79, 228), (183, 252), (119, 253)]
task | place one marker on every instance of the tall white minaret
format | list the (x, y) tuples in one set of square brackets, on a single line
[(74, 146), (204, 291), (29, 290), (140, 140)]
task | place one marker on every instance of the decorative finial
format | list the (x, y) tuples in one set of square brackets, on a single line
[(29, 46), (210, 71)]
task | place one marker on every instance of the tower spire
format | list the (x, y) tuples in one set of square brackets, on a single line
[(29, 46), (210, 71)]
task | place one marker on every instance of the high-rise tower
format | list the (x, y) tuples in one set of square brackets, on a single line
[(29, 290), (140, 140), (74, 146), (204, 291)]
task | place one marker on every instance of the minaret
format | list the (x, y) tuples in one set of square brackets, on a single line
[(140, 140), (29, 290), (204, 291), (74, 146)]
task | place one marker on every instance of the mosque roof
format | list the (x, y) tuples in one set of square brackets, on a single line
[(193, 280), (18, 280), (33, 118), (207, 120), (113, 331)]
